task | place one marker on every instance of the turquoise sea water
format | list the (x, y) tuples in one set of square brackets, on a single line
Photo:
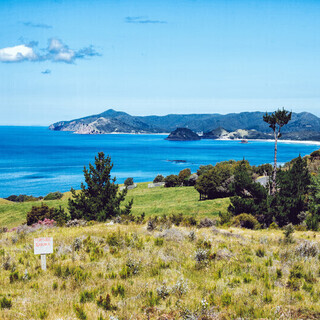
[(35, 160)]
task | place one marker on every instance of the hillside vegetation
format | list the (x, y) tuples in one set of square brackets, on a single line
[(127, 272), (154, 201)]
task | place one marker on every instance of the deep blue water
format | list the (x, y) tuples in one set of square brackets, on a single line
[(35, 160)]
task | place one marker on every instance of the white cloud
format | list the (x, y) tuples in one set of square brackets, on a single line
[(17, 53), (64, 56), (56, 51), (60, 52), (56, 45)]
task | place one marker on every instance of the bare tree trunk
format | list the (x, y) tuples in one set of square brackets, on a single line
[(274, 174)]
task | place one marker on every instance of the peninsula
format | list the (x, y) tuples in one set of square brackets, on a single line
[(247, 125)]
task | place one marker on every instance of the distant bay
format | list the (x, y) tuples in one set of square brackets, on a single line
[(36, 161)]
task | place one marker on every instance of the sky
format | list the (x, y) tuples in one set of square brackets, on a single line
[(61, 60)]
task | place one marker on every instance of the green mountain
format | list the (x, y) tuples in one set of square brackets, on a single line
[(303, 125)]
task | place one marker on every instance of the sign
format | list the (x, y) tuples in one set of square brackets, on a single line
[(43, 245), (43, 262)]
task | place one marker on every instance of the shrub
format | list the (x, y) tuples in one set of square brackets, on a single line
[(315, 153), (226, 299), (201, 257), (43, 314), (260, 252), (152, 224), (118, 290), (296, 274), (176, 219), (312, 221), (206, 223), (5, 303), (128, 182), (79, 311), (22, 198), (180, 288), (163, 291), (189, 221), (288, 232), (53, 196), (86, 296), (183, 176), (171, 181), (105, 303), (39, 213), (192, 236), (245, 220), (307, 249), (225, 217), (14, 276), (158, 178), (158, 242)]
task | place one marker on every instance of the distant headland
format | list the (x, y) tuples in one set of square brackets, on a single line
[(245, 125)]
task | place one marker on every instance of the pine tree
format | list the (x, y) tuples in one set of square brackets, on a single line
[(292, 197), (276, 121), (99, 198)]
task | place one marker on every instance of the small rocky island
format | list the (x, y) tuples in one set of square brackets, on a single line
[(183, 134)]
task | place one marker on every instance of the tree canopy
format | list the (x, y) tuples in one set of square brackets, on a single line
[(99, 198)]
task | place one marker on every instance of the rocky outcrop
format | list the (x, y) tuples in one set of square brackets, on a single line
[(183, 134)]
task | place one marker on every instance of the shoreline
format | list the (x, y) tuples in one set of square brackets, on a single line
[(309, 142)]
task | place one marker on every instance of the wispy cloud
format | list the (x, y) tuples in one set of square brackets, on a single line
[(36, 25), (143, 20), (47, 71), (57, 51)]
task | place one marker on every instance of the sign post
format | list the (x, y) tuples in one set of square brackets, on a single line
[(43, 246)]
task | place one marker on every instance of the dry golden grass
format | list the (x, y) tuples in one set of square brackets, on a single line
[(239, 274)]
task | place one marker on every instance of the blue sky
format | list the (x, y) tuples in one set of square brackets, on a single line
[(61, 60)]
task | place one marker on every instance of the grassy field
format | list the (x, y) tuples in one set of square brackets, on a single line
[(155, 201), (127, 272)]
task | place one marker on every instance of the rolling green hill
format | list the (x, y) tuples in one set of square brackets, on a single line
[(155, 201)]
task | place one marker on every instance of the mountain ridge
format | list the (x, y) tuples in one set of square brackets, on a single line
[(112, 121)]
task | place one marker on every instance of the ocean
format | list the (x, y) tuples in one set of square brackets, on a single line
[(36, 161)]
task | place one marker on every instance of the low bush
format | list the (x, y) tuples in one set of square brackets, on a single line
[(158, 178), (5, 303), (206, 223), (245, 220), (171, 181), (225, 217), (79, 311), (105, 303), (39, 213), (118, 290), (86, 296), (22, 198), (53, 196), (128, 182)]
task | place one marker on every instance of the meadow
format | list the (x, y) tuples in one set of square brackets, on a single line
[(154, 201), (158, 270), (114, 271)]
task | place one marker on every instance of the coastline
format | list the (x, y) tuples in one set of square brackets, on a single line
[(308, 142)]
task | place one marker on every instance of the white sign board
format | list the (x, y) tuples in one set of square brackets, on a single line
[(43, 245)]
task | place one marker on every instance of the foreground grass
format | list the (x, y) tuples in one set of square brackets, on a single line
[(161, 274), (155, 201)]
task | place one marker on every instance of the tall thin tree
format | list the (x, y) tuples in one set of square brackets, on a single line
[(276, 121)]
